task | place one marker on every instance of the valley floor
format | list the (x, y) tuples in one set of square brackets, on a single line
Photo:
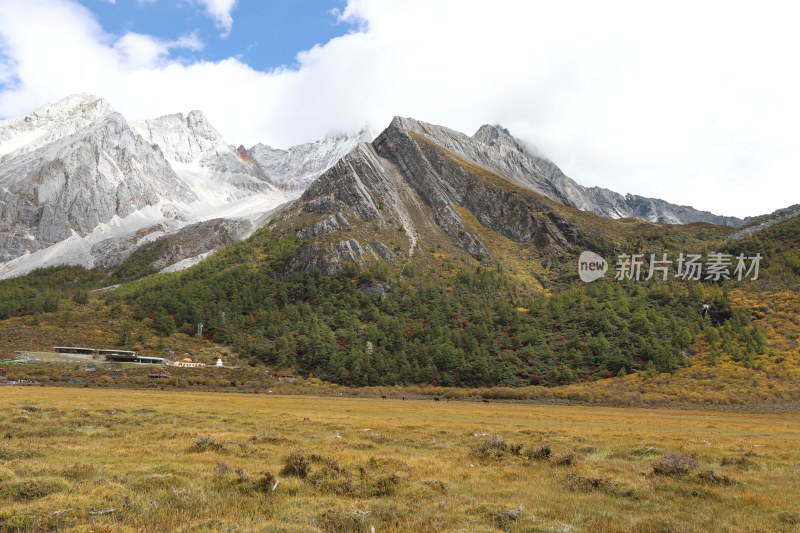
[(132, 460)]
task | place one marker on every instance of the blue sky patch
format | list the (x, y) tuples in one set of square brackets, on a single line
[(265, 34)]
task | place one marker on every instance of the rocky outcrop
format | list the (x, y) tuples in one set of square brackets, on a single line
[(756, 224), (185, 243), (116, 250), (655, 210), (329, 224), (199, 238)]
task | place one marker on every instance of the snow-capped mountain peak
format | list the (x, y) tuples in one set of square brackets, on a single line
[(49, 123), (79, 184), (182, 139)]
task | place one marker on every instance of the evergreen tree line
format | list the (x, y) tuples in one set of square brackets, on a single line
[(42, 290)]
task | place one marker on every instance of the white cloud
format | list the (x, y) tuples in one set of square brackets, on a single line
[(220, 12), (693, 103), (144, 51)]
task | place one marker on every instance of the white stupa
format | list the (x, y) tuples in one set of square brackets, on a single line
[(219, 362)]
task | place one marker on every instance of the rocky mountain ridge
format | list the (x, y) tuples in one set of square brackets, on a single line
[(406, 182), (496, 149), (435, 185), (81, 185), (756, 224)]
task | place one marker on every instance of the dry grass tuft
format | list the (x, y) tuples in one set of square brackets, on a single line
[(710, 476), (510, 515), (207, 443), (31, 489), (790, 518), (741, 462), (579, 483)]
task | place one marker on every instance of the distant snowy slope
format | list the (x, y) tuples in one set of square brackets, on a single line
[(200, 156), (296, 168)]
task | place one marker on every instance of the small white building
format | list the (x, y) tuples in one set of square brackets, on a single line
[(188, 363)]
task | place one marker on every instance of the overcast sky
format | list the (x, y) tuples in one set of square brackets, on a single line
[(693, 102)]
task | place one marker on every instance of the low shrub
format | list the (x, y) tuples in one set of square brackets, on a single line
[(297, 464), (709, 476), (496, 448), (565, 459), (675, 464), (540, 453), (207, 443)]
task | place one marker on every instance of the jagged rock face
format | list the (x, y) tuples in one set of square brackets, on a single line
[(447, 183), (344, 186), (296, 168), (182, 139), (329, 224), (79, 181)]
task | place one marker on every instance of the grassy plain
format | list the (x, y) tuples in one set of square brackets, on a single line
[(127, 460)]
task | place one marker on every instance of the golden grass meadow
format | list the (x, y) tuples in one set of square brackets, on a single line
[(135, 460)]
